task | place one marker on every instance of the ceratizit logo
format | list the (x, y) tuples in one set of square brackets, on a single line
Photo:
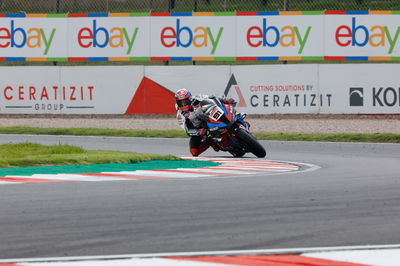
[(232, 82), (356, 96)]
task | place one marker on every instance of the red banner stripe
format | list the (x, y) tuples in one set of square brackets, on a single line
[(246, 13), (334, 12), (77, 15), (335, 58)]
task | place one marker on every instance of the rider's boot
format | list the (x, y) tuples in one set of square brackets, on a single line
[(197, 151), (214, 146), (212, 143)]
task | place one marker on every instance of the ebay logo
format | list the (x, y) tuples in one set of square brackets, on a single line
[(185, 36), (359, 35), (101, 37), (267, 35), (15, 36)]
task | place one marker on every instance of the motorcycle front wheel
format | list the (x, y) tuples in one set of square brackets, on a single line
[(250, 143)]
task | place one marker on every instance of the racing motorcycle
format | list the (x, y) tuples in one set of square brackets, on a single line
[(227, 129)]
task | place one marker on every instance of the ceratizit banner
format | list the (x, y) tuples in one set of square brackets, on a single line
[(259, 89), (200, 36)]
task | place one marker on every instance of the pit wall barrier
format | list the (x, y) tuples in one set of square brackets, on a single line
[(208, 36), (258, 89)]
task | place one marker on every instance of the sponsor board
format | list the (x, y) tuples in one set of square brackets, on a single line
[(262, 89), (67, 90), (209, 36), (376, 35), (269, 36), (278, 89), (105, 37), (193, 36), (362, 88)]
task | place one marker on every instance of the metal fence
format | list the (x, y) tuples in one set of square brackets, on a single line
[(76, 6)]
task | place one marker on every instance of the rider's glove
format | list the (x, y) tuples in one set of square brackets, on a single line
[(229, 101), (186, 114)]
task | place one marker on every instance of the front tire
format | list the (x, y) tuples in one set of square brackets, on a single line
[(250, 143)]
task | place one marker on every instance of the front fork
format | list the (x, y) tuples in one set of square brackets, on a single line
[(227, 141)]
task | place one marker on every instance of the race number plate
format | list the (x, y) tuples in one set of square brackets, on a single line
[(216, 113)]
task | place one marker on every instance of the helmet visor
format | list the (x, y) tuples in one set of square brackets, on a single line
[(183, 103)]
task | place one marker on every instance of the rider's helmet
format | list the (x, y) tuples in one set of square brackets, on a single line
[(183, 99)]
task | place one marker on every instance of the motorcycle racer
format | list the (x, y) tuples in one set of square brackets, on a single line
[(189, 117)]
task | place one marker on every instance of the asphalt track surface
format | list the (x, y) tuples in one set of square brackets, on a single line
[(353, 199)]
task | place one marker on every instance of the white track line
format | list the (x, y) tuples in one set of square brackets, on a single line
[(162, 174)]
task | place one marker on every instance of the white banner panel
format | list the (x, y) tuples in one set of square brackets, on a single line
[(258, 89), (33, 37), (277, 89), (104, 90), (361, 88), (106, 37), (210, 80), (269, 36), (193, 36), (366, 35), (29, 90), (68, 90)]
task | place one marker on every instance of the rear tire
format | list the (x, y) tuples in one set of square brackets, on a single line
[(250, 143)]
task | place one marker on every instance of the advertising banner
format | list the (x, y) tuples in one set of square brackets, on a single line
[(109, 37), (277, 89), (280, 36), (362, 36), (67, 90), (361, 89), (33, 37), (259, 89), (192, 36)]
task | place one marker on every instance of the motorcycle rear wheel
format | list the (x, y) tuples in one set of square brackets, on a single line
[(250, 143)]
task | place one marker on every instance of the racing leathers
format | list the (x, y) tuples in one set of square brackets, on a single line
[(195, 127)]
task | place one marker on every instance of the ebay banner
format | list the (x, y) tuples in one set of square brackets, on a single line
[(193, 36), (35, 37), (247, 36), (279, 36), (365, 36), (109, 37)]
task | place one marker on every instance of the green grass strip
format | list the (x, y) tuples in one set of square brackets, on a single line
[(30, 154), (342, 137), (94, 132), (396, 12), (339, 137), (396, 58)]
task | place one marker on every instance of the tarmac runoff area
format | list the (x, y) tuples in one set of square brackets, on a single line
[(368, 155), (387, 255)]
